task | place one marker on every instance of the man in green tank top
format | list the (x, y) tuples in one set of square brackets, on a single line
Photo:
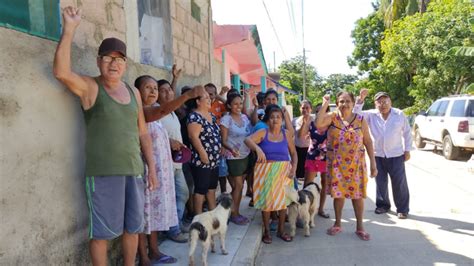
[(116, 135)]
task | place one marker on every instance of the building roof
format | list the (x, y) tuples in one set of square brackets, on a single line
[(244, 54)]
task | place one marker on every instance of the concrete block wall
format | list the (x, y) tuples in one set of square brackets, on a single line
[(192, 45), (43, 210)]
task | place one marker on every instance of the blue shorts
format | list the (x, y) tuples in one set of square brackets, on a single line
[(116, 203)]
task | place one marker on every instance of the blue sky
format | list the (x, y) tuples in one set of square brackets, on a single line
[(327, 23)]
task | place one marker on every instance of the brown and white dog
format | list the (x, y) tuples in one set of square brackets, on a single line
[(304, 204), (205, 225)]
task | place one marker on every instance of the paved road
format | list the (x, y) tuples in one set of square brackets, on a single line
[(439, 231)]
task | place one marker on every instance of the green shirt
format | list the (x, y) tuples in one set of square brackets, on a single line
[(112, 136)]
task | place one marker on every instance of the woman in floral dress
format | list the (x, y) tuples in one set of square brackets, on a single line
[(348, 134), (160, 204)]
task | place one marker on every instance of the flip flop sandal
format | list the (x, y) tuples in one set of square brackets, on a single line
[(267, 238), (363, 235), (285, 237), (245, 219), (334, 230), (165, 259), (239, 220), (323, 214)]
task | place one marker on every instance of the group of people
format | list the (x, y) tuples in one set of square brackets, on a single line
[(136, 186)]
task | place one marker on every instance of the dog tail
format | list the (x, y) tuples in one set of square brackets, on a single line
[(200, 229)]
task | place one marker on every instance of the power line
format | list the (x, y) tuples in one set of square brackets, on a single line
[(291, 15), (274, 30), (304, 51)]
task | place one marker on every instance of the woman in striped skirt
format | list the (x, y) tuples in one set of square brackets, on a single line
[(274, 170)]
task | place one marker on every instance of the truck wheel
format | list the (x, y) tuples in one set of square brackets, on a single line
[(419, 141), (450, 151)]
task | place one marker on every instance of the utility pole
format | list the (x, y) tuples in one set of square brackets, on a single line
[(304, 51), (274, 62)]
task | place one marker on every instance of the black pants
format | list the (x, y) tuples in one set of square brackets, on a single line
[(302, 152)]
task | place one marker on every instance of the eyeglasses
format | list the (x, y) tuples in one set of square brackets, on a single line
[(344, 101), (108, 59), (381, 102)]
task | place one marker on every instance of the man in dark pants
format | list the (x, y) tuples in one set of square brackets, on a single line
[(391, 134)]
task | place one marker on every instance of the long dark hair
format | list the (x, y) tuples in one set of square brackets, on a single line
[(272, 108), (230, 98)]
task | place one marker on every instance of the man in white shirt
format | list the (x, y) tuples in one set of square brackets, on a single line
[(391, 135)]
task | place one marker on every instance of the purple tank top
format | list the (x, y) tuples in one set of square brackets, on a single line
[(275, 151)]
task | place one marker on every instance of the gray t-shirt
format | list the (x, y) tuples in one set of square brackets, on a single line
[(237, 134)]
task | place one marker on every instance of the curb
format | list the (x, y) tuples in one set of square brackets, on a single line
[(250, 244)]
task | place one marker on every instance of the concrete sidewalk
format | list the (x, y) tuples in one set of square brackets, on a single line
[(242, 242)]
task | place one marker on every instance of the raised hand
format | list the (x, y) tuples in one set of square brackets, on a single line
[(176, 71), (363, 94), (326, 99), (224, 90), (72, 17)]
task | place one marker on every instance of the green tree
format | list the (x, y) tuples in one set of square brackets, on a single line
[(393, 10), (367, 35), (416, 65), (337, 82), (291, 75)]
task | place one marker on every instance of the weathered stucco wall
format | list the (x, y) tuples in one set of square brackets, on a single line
[(43, 211)]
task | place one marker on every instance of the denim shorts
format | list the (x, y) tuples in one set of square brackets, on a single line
[(116, 204)]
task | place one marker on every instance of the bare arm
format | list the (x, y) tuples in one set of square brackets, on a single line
[(146, 144), (369, 147), (288, 124), (225, 144), (324, 119), (293, 155), (153, 113), (222, 94), (81, 86), (194, 129), (304, 129), (176, 73), (252, 142)]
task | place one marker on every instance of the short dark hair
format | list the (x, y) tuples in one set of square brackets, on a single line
[(306, 102), (271, 92), (260, 97), (138, 81), (351, 95), (210, 85), (185, 89), (162, 82), (232, 91), (269, 110)]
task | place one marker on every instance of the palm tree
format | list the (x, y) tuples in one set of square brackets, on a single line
[(396, 9)]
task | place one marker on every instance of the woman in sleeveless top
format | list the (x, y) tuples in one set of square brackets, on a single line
[(273, 170), (348, 134)]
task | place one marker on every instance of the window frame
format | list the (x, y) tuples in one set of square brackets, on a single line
[(49, 8)]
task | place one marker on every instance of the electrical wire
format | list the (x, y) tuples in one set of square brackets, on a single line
[(274, 30)]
